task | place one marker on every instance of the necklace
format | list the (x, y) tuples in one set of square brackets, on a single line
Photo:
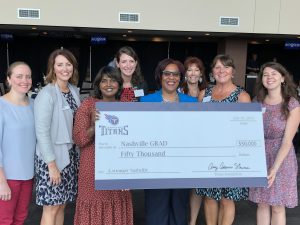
[(165, 100)]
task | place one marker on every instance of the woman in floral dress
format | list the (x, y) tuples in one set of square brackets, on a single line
[(277, 93)]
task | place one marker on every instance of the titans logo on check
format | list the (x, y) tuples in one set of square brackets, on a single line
[(113, 130)]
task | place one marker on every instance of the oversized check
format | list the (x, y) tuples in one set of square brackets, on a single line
[(179, 145)]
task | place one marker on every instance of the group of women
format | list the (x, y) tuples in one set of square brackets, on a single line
[(47, 136)]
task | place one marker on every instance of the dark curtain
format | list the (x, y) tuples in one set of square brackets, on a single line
[(36, 50), (150, 53), (3, 61)]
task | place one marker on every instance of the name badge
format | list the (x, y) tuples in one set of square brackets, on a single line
[(138, 93), (206, 99)]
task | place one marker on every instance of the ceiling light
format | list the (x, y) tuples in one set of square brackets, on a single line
[(33, 28), (190, 38), (207, 34), (129, 31), (267, 40), (124, 35), (131, 39), (157, 39)]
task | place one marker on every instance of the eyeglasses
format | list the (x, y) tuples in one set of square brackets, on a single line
[(169, 73)]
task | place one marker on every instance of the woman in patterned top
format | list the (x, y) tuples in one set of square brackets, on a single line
[(56, 162), (97, 207), (277, 93), (134, 85), (224, 91)]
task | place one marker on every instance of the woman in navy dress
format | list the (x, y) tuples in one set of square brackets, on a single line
[(167, 206)]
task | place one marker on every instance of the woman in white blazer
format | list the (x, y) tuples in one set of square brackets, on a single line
[(56, 161)]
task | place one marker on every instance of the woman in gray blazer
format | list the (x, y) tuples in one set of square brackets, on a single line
[(56, 161)]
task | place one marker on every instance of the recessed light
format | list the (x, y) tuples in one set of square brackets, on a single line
[(45, 33), (190, 38), (33, 28), (267, 40), (157, 39), (124, 35), (131, 39), (129, 31), (207, 34)]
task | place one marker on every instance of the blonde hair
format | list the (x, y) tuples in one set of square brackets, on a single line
[(12, 67)]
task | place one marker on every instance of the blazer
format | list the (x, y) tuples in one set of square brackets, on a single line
[(54, 124), (157, 97)]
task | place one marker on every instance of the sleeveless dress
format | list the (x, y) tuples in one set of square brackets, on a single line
[(284, 189), (234, 194)]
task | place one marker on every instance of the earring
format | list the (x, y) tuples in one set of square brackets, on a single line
[(200, 80), (185, 78)]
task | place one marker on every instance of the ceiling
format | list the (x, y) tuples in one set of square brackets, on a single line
[(139, 35)]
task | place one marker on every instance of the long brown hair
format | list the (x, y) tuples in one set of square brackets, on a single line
[(51, 76), (137, 77), (288, 87)]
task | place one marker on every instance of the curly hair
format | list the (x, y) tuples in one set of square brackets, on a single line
[(288, 87)]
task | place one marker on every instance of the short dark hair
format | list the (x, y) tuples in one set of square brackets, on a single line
[(161, 66), (112, 73)]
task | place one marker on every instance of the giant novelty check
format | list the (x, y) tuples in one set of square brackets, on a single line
[(179, 145)]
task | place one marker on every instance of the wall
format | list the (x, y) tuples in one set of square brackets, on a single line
[(256, 16)]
